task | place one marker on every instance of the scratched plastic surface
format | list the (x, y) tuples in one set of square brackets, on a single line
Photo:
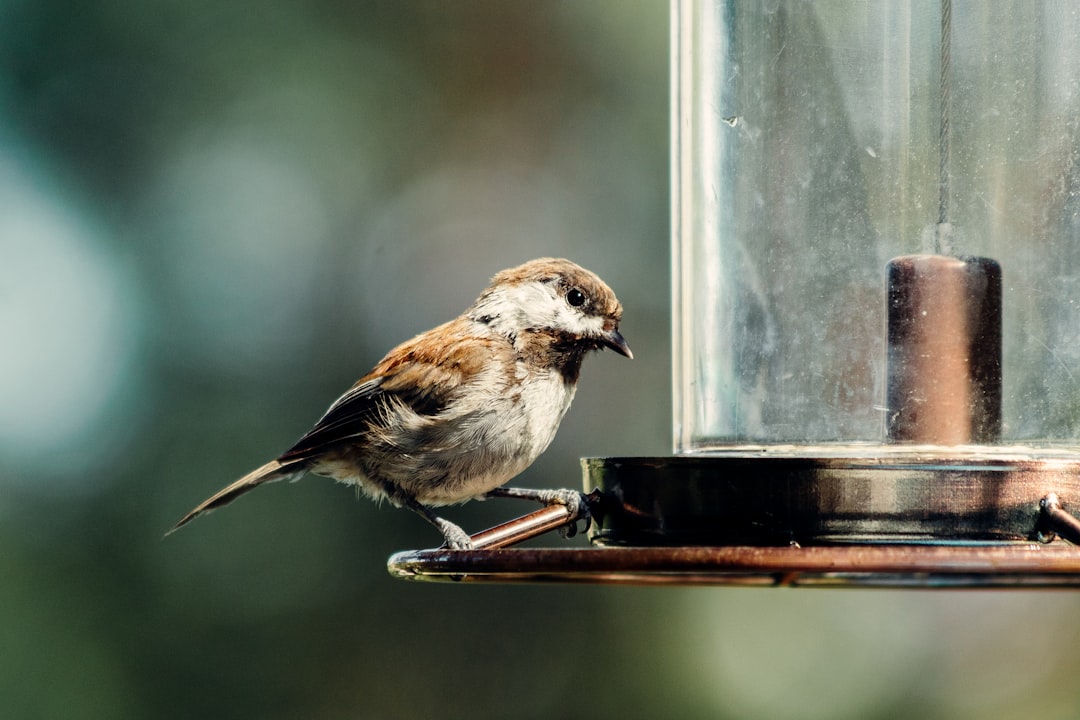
[(814, 143)]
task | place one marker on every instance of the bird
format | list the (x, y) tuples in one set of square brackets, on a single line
[(458, 411)]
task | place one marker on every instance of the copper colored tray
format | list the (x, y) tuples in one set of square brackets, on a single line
[(912, 517), (1052, 562), (1027, 565)]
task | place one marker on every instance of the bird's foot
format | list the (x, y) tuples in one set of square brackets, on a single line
[(575, 503), (456, 538)]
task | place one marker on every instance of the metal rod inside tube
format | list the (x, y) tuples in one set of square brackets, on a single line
[(944, 350)]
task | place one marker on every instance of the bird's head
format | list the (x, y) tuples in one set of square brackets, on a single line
[(553, 297)]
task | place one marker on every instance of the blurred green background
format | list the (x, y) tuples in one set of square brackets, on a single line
[(213, 218)]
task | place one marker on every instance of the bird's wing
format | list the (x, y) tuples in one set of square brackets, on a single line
[(423, 374), (347, 417)]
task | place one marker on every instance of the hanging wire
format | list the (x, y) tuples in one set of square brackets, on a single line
[(942, 237)]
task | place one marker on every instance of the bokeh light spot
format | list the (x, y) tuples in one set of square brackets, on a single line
[(65, 320)]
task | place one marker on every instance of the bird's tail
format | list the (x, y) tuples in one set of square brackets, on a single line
[(270, 472)]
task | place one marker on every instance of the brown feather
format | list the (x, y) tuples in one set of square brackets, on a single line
[(425, 373)]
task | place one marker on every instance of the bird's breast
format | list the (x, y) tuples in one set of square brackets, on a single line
[(543, 398)]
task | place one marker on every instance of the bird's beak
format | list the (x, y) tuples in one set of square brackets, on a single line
[(614, 340)]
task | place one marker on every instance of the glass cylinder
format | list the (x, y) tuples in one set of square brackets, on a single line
[(852, 184)]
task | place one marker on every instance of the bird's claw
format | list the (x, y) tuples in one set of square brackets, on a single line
[(456, 538), (576, 506)]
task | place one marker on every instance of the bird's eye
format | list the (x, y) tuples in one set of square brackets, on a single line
[(575, 297)]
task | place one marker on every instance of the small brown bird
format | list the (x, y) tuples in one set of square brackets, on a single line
[(456, 412)]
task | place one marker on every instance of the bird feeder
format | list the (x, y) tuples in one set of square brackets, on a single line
[(876, 309)]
